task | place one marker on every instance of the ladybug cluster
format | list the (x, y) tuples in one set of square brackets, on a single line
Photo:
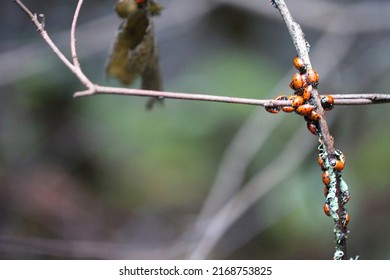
[(302, 102), (333, 168)]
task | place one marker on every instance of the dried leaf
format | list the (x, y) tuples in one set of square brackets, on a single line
[(134, 53)]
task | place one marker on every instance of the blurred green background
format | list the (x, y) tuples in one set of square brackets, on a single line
[(101, 177)]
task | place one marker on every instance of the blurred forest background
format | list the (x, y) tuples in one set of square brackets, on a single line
[(102, 178)]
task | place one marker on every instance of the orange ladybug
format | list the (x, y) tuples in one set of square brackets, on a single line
[(321, 163), (326, 178), (311, 126), (300, 65), (314, 116), (297, 101), (312, 77), (307, 92), (305, 109), (326, 209), (288, 109), (272, 110), (347, 218), (327, 102), (275, 110), (298, 81), (339, 163)]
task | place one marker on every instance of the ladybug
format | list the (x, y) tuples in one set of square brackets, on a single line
[(327, 102), (340, 156), (304, 109), (300, 65), (314, 116), (326, 209), (297, 101), (347, 217), (312, 77), (321, 163), (307, 92), (311, 126), (326, 178), (288, 109), (273, 110), (281, 97), (298, 81), (339, 163)]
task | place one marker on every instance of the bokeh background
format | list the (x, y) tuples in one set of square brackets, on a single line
[(102, 178)]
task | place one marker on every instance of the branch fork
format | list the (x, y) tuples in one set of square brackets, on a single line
[(92, 89)]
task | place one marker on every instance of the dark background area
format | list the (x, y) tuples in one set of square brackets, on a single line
[(102, 178)]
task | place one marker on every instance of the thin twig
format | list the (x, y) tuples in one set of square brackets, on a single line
[(76, 62), (173, 95), (340, 99), (40, 28)]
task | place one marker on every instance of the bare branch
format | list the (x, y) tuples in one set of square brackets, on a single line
[(73, 35), (173, 95), (32, 16), (45, 36), (340, 99), (53, 46)]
